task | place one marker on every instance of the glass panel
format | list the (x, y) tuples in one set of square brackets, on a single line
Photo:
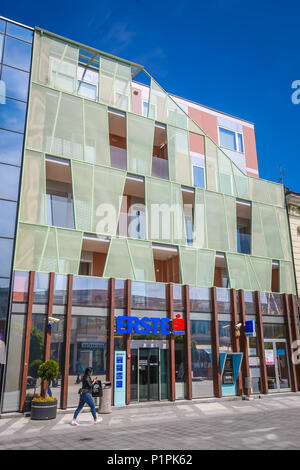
[(177, 298), (16, 83), (286, 277), (149, 296), (96, 149), (142, 259), (238, 272), (87, 349), (211, 165), (90, 291), (271, 304), (225, 174), (120, 294), (200, 299), (7, 218), (20, 286), (164, 374), (69, 250), (12, 115), (284, 232), (216, 222), (6, 252), (17, 54), (4, 295), (201, 357), (57, 346), (250, 306), (33, 188), (36, 352), (274, 330), (140, 133), (41, 288), (179, 367), (82, 177), (282, 364), (19, 32), (14, 366), (153, 373), (9, 182), (198, 177), (270, 365), (11, 146), (225, 336), (271, 232), (134, 375), (115, 84), (49, 261), (157, 108), (159, 203), (260, 271), (179, 156), (241, 146), (200, 240), (60, 289), (118, 263), (30, 243), (224, 302), (227, 139)]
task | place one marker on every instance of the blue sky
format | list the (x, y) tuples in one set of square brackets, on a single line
[(237, 56)]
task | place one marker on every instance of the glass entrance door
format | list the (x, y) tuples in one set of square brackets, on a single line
[(277, 365), (148, 374)]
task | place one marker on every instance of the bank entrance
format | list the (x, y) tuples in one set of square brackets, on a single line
[(277, 365), (149, 370)]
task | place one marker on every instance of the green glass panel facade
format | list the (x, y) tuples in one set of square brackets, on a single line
[(140, 134)]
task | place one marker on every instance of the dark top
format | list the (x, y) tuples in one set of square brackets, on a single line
[(87, 383)]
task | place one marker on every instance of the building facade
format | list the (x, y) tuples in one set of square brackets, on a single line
[(293, 207), (138, 204)]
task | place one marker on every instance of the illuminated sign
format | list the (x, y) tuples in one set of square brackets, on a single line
[(150, 325)]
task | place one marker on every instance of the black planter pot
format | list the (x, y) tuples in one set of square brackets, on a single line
[(43, 409)]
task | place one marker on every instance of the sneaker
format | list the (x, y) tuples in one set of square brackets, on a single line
[(98, 420), (74, 423)]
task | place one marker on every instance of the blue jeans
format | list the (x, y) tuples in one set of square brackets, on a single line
[(86, 398)]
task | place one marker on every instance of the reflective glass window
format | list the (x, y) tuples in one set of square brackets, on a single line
[(19, 32), (2, 26), (225, 336), (60, 289), (8, 211), (11, 145), (9, 182), (6, 248), (12, 115), (57, 354), (16, 82), (36, 352), (227, 139), (41, 288), (4, 292), (17, 53), (20, 286), (1, 45), (201, 357), (198, 175)]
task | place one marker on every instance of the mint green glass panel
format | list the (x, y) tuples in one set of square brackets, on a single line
[(57, 64), (108, 190), (176, 116), (227, 183), (286, 278), (257, 235), (193, 127), (159, 209), (241, 183), (188, 263), (32, 207), (178, 220), (238, 272), (211, 165), (142, 260), (200, 240), (266, 192), (217, 236), (271, 232), (157, 108), (82, 177), (118, 262), (140, 134), (284, 233), (49, 261), (179, 156), (205, 268), (115, 84), (260, 271), (96, 135), (68, 134), (69, 250), (30, 244), (230, 211), (41, 118)]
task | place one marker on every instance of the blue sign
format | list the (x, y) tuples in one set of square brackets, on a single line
[(120, 378), (150, 325), (250, 328)]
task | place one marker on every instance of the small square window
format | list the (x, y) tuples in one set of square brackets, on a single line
[(227, 139)]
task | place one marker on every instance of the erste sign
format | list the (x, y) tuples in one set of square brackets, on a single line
[(150, 325)]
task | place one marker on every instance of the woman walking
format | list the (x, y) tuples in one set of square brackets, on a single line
[(86, 397)]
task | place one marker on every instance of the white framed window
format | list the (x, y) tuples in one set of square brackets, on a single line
[(87, 83), (152, 113), (198, 170), (231, 140)]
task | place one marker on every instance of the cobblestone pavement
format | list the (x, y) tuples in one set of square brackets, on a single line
[(267, 423)]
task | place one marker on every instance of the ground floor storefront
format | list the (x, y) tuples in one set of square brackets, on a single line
[(211, 355)]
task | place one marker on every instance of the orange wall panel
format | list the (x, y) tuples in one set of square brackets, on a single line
[(250, 149), (208, 122)]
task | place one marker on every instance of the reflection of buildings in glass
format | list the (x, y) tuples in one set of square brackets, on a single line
[(2, 352)]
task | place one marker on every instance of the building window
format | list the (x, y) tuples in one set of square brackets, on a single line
[(160, 152), (231, 140), (275, 276), (117, 139), (221, 278), (152, 112), (243, 214), (198, 164), (87, 83)]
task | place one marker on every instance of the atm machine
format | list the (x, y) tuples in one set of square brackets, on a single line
[(230, 364)]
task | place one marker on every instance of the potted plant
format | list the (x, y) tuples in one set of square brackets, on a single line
[(43, 407)]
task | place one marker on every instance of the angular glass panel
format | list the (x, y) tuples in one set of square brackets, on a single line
[(271, 232), (96, 148), (9, 182), (159, 202), (82, 176), (157, 108), (241, 183), (140, 133), (42, 115), (260, 271), (211, 165), (286, 278), (199, 220), (257, 239), (19, 32), (8, 211), (284, 233), (12, 115), (205, 268), (49, 260), (115, 84), (11, 146), (6, 251), (227, 183), (238, 272), (231, 220), (16, 83), (176, 116), (69, 250), (216, 222), (17, 54), (178, 153), (30, 243), (33, 188), (142, 259), (118, 262)]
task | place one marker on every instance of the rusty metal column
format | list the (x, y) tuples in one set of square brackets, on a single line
[(171, 344), (27, 340), (65, 374), (244, 347), (235, 339), (187, 344), (128, 344), (289, 340), (260, 342), (48, 330), (215, 345)]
